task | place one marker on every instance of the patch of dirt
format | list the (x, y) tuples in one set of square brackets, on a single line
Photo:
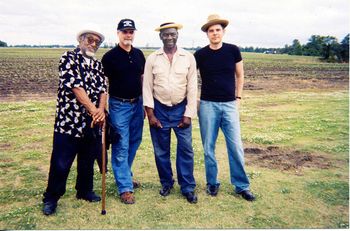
[(7, 160), (5, 146), (283, 84), (274, 157)]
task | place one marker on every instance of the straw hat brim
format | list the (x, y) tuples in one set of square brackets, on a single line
[(90, 32), (174, 25), (223, 22)]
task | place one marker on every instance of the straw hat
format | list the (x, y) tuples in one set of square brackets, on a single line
[(169, 25), (212, 20), (90, 32)]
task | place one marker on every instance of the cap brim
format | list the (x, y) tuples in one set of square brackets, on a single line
[(127, 28), (222, 22), (177, 26), (90, 32)]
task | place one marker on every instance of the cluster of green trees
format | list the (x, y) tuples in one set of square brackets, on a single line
[(3, 44), (326, 47)]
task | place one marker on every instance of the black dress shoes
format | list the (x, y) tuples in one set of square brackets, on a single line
[(165, 191), (136, 184), (191, 197), (49, 207), (90, 196), (247, 195), (213, 190)]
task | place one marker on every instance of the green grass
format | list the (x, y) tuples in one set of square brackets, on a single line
[(313, 121)]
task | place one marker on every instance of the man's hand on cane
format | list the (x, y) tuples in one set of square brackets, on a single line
[(98, 116)]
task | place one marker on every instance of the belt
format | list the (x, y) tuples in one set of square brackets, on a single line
[(173, 105), (133, 100)]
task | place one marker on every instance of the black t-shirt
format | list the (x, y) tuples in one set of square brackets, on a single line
[(217, 69), (124, 70)]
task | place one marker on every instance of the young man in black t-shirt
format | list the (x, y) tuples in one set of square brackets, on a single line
[(221, 69)]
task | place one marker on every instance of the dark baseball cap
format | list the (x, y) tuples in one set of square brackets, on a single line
[(126, 24)]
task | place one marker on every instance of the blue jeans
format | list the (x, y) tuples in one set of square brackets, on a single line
[(127, 119), (224, 115), (170, 117)]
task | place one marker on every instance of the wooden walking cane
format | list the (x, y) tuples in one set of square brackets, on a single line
[(103, 211)]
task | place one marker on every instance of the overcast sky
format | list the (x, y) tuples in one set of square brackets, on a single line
[(258, 23)]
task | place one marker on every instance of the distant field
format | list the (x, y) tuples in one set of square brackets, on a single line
[(34, 71), (295, 128)]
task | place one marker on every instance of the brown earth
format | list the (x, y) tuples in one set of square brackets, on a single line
[(38, 77), (274, 157)]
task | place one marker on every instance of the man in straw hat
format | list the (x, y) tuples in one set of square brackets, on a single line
[(169, 94), (123, 65), (81, 102), (221, 69)]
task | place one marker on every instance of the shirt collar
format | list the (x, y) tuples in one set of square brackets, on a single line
[(179, 51), (132, 48)]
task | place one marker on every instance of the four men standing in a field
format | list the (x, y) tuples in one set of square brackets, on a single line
[(169, 95)]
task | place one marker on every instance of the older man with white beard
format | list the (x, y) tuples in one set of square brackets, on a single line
[(81, 101), (123, 65)]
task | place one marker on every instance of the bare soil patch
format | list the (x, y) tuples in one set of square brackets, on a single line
[(37, 77), (283, 84), (274, 157), (5, 146)]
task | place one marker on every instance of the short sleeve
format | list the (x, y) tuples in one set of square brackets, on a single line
[(69, 72), (237, 54), (103, 80)]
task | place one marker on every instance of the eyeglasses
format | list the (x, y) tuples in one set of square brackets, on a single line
[(127, 31), (91, 40)]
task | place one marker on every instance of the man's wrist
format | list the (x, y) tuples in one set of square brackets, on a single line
[(238, 97)]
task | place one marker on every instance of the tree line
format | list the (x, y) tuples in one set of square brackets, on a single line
[(3, 44), (326, 47)]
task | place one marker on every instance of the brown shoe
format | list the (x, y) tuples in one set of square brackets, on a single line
[(127, 198), (136, 184)]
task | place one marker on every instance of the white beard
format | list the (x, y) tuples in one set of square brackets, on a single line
[(127, 42), (90, 53)]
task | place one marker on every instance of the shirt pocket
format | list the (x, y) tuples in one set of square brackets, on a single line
[(181, 75), (159, 76)]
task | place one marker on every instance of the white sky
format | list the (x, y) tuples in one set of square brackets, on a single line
[(258, 23)]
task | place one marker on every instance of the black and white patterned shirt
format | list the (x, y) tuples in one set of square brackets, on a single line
[(75, 71)]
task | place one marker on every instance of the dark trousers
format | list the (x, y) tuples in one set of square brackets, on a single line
[(65, 148), (170, 117)]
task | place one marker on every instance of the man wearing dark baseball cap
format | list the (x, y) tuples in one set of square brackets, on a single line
[(123, 65), (126, 24)]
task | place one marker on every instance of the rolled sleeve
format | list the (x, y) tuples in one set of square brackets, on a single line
[(147, 87), (192, 89)]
